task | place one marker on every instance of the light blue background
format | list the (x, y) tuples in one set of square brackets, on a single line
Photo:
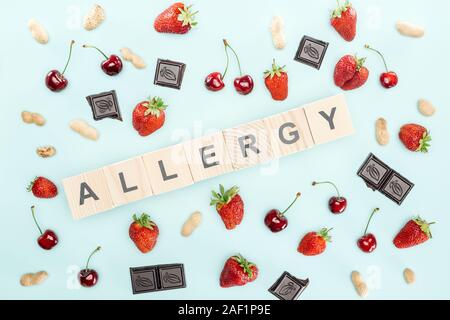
[(421, 64)]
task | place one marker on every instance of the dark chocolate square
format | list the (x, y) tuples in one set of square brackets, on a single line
[(396, 187), (104, 105), (374, 172), (311, 52), (288, 287), (144, 279), (169, 73), (171, 276)]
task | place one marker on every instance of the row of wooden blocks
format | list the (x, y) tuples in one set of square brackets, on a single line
[(232, 149)]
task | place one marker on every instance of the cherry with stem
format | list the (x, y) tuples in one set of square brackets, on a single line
[(244, 83), (367, 242), (388, 79), (55, 80), (276, 220), (89, 277), (337, 204), (47, 239), (112, 65)]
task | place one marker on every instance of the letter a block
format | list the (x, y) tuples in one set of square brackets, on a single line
[(127, 181), (329, 119), (87, 194), (168, 169), (248, 144)]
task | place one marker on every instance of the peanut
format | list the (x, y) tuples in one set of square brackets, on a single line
[(136, 60), (409, 29), (31, 279), (359, 284), (84, 129), (277, 30), (33, 117), (191, 224), (38, 31), (46, 151), (94, 18), (426, 107), (409, 276), (381, 131)]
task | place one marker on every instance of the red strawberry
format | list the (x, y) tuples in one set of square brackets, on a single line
[(314, 243), (415, 137), (144, 232), (343, 19), (42, 188), (276, 81), (176, 19), (149, 116), (415, 231), (350, 72), (229, 205), (237, 271)]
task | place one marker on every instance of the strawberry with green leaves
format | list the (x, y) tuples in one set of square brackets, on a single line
[(276, 81), (237, 271), (149, 116), (144, 232), (415, 137), (229, 205), (314, 243), (350, 72), (343, 20), (415, 232), (42, 188), (178, 18)]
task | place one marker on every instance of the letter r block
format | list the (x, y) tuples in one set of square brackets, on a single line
[(208, 157), (167, 169), (289, 132), (87, 194), (329, 119), (248, 144), (127, 181)]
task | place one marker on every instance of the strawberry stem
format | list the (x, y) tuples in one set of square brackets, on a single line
[(296, 197), (379, 53), (89, 46), (235, 54), (328, 182), (90, 256), (70, 55), (35, 221), (370, 218)]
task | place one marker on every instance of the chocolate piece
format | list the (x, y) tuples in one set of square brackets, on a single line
[(169, 73), (397, 188), (104, 105), (311, 52), (379, 176), (157, 278), (288, 287)]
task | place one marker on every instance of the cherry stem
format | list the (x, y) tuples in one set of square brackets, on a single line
[(296, 197), (235, 54), (34, 218), (228, 59), (370, 218), (379, 53), (328, 182), (88, 46), (90, 256), (70, 55)]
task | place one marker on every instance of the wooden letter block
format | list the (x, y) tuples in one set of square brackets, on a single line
[(208, 157), (248, 144), (87, 194), (127, 181), (167, 169), (289, 132), (329, 119)]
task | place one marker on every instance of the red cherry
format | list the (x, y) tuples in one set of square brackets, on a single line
[(337, 204), (88, 277), (276, 220), (55, 80), (388, 79), (48, 239), (214, 81), (367, 243), (112, 65), (244, 84)]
